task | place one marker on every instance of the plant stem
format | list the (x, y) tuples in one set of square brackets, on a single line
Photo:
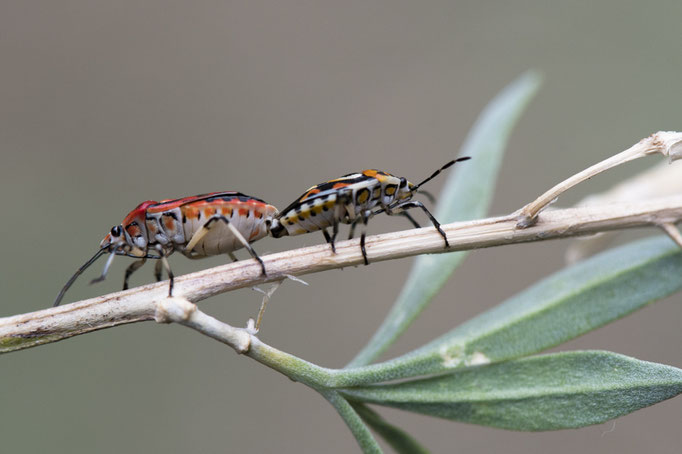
[(139, 304)]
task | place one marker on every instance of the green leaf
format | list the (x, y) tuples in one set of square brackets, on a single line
[(557, 391), (357, 427), (561, 307), (466, 195), (399, 440)]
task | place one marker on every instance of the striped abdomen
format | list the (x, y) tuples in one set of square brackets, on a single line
[(338, 201), (173, 223)]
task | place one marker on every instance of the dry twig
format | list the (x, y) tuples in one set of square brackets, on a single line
[(143, 303)]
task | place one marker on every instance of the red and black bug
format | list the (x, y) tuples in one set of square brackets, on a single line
[(197, 226), (352, 198)]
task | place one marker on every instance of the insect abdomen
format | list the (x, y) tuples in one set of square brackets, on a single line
[(248, 216), (313, 214)]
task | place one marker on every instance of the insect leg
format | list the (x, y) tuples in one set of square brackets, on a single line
[(416, 225), (105, 270), (233, 257), (351, 233), (136, 265), (416, 204), (342, 200), (207, 227), (163, 259), (335, 231), (365, 218), (158, 269), (344, 203), (411, 219), (330, 238)]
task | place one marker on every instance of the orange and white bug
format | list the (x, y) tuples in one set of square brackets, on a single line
[(197, 226), (350, 199)]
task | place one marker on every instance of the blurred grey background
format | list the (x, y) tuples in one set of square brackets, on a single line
[(105, 104)]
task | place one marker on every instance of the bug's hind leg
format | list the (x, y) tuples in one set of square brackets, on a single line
[(365, 218), (342, 210), (207, 228), (136, 265), (330, 239), (399, 209)]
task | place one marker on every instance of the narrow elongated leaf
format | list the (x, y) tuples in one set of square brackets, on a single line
[(561, 307), (467, 195), (557, 391), (354, 422), (399, 440)]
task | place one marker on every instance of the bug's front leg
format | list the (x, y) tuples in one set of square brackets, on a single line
[(136, 265), (400, 209)]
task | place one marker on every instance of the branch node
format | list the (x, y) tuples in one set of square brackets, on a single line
[(242, 341), (174, 309), (667, 143)]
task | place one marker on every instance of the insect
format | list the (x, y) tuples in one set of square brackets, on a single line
[(197, 226), (350, 199)]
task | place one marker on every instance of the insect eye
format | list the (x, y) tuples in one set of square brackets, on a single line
[(116, 230), (403, 182)]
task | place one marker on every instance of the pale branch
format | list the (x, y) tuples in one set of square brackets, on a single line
[(140, 304), (667, 143)]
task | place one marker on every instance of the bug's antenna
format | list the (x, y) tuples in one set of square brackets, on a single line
[(416, 188), (97, 255)]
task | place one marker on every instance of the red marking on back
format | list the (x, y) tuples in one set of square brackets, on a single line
[(243, 212), (170, 204), (138, 214), (340, 185)]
